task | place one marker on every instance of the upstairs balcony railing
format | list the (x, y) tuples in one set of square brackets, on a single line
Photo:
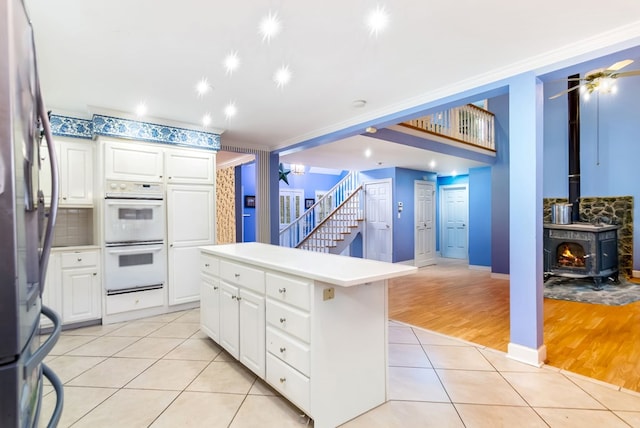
[(467, 124), (300, 228)]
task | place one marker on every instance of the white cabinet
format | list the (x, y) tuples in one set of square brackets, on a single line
[(191, 223), (73, 287), (76, 169), (232, 310), (317, 322), (81, 287), (129, 161), (187, 166)]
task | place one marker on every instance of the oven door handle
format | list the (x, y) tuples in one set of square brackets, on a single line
[(137, 250)]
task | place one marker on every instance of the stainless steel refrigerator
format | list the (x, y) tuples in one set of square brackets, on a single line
[(25, 229)]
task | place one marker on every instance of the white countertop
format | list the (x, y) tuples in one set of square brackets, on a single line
[(76, 248), (338, 270)]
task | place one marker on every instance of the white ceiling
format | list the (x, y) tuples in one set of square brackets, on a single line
[(111, 55)]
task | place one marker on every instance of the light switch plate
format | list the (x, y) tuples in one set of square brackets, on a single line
[(328, 293)]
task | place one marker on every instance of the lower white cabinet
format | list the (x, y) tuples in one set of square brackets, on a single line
[(73, 286), (322, 346)]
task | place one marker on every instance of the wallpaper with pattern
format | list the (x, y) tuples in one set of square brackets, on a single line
[(225, 206)]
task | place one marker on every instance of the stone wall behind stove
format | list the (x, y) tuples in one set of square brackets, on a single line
[(618, 209)]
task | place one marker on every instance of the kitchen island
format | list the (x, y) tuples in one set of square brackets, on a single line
[(312, 325)]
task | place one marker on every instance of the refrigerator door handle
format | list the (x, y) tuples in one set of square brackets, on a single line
[(57, 386), (53, 210)]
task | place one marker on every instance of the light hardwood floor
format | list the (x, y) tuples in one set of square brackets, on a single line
[(602, 342)]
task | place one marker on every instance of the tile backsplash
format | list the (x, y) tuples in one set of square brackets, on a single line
[(74, 226)]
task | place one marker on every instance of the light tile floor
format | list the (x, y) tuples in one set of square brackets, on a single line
[(162, 372)]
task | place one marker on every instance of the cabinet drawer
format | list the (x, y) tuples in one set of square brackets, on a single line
[(133, 301), (289, 289), (291, 384), (288, 349), (247, 277), (79, 259), (289, 319), (209, 265)]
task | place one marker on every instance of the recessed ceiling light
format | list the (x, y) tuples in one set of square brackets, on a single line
[(282, 76), (367, 153), (377, 20), (141, 109), (454, 173), (230, 110), (203, 86), (206, 120), (270, 26), (231, 62), (432, 164)]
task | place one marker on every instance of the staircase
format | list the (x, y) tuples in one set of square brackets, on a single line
[(332, 223)]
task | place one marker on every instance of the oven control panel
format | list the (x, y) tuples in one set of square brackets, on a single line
[(131, 189)]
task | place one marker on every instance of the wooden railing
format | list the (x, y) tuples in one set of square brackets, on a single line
[(300, 228), (468, 124)]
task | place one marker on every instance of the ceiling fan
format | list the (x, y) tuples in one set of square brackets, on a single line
[(600, 79)]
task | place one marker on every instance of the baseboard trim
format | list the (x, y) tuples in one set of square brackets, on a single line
[(500, 275), (479, 267), (533, 357)]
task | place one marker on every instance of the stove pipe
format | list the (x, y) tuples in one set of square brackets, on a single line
[(574, 145)]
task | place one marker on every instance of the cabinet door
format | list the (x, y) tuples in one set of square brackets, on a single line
[(80, 295), (252, 332), (210, 307), (52, 295), (229, 321), (76, 173), (184, 275), (190, 166), (45, 172), (190, 215), (132, 161)]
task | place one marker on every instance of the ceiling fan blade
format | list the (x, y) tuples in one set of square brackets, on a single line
[(619, 65), (626, 73), (566, 91)]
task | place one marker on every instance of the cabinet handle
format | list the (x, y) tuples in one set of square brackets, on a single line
[(237, 275), (283, 349), (283, 379), (233, 297), (238, 298), (64, 198), (79, 259), (282, 290), (215, 288), (206, 265), (95, 274), (283, 320)]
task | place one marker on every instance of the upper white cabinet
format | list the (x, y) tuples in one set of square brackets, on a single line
[(76, 169), (190, 166), (133, 161)]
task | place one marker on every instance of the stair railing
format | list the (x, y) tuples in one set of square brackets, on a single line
[(300, 228)]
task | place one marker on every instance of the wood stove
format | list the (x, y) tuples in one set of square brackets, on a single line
[(581, 250)]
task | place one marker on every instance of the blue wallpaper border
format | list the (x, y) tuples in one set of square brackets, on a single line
[(131, 129)]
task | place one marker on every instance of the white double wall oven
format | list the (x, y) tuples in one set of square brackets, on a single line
[(134, 235)]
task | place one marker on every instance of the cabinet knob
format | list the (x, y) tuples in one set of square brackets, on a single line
[(95, 274), (283, 379), (283, 349), (237, 275), (234, 297), (239, 298), (79, 259), (64, 198), (215, 288), (206, 265), (283, 320), (282, 290)]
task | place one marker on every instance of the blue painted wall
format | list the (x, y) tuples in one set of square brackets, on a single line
[(609, 146), (248, 174), (499, 106), (310, 182), (480, 216)]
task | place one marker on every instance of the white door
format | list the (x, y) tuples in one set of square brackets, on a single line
[(425, 234), (454, 219), (378, 221), (291, 205)]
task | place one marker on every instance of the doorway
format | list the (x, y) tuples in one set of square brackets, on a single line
[(378, 231), (425, 236), (291, 205), (454, 215)]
